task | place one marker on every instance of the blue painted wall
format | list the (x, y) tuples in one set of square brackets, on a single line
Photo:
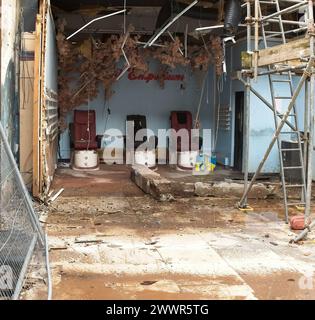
[(139, 97), (262, 125)]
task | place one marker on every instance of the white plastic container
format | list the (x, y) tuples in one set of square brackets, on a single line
[(146, 158), (187, 159), (86, 160)]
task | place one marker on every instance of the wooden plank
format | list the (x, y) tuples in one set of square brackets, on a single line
[(39, 137), (36, 108), (43, 124), (293, 50), (26, 107)]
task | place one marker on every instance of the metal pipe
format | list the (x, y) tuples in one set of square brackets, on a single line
[(19, 284), (256, 39), (49, 281), (218, 26), (249, 32), (154, 45), (280, 23), (127, 67), (310, 152), (311, 26), (306, 130), (173, 39), (286, 10), (291, 22), (302, 66), (172, 8), (287, 22), (269, 105), (155, 37), (311, 115), (242, 202), (94, 20), (246, 137), (303, 234)]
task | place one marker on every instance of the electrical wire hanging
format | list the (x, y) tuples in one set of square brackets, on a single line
[(88, 124), (197, 120)]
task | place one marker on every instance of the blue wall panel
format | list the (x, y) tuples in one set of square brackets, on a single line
[(140, 97)]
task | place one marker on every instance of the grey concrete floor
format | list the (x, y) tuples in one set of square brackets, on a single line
[(123, 244)]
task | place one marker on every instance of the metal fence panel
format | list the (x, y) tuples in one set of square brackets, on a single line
[(20, 230)]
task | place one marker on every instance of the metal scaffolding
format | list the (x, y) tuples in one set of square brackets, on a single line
[(289, 25)]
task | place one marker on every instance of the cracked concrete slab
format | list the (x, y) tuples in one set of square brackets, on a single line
[(123, 246)]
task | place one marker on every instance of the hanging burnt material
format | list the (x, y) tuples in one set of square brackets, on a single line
[(170, 54), (82, 68), (232, 17), (86, 66), (210, 53)]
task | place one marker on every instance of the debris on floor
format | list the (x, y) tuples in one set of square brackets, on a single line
[(166, 189), (193, 248)]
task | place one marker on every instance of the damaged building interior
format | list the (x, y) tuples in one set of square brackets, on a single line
[(227, 216)]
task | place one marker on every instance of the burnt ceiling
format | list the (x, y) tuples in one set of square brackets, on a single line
[(72, 5), (146, 16)]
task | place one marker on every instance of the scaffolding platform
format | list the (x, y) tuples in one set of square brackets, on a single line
[(283, 34), (292, 53)]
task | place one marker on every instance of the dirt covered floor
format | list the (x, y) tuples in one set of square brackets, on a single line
[(110, 241), (219, 174)]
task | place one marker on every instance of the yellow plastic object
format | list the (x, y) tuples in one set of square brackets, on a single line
[(248, 208), (300, 208), (205, 165), (309, 241)]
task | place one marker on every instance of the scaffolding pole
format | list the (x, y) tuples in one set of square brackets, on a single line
[(309, 120), (247, 103), (310, 152), (311, 115), (246, 140), (306, 74), (269, 105), (306, 125), (256, 21)]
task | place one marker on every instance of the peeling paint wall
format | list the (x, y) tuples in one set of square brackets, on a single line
[(10, 38), (50, 106)]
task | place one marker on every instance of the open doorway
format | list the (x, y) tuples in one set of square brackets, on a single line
[(89, 92), (239, 126)]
